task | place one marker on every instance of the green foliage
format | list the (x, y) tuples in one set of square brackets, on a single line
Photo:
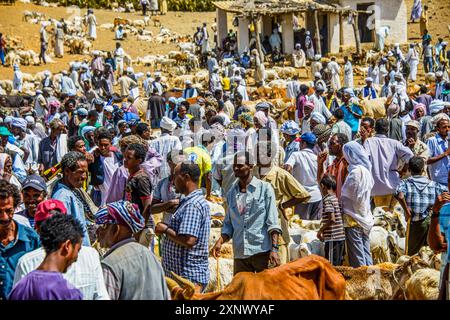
[(173, 5)]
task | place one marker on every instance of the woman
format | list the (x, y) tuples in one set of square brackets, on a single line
[(355, 201), (6, 170)]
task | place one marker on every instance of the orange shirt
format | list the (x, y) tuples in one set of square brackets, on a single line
[(338, 169)]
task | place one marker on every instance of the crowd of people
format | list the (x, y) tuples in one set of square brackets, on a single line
[(105, 161)]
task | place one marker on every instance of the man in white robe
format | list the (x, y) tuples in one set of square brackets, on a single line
[(412, 58), (381, 35), (92, 24), (275, 40), (298, 57), (335, 70), (241, 89), (18, 79), (348, 73), (309, 47), (59, 41)]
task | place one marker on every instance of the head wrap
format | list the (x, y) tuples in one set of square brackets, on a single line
[(441, 116), (173, 100), (319, 86), (318, 117), (392, 111), (290, 127), (123, 213), (264, 105), (318, 75), (87, 129), (19, 123), (413, 123), (8, 119), (30, 120), (261, 117), (109, 108), (439, 74), (168, 124), (82, 112), (309, 138), (308, 105), (369, 79), (436, 106), (419, 106), (246, 117), (322, 132), (356, 155), (218, 131), (54, 104)]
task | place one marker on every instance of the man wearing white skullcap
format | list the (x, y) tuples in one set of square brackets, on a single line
[(318, 101), (369, 91), (241, 88), (166, 143), (18, 79), (26, 141), (44, 42), (189, 91), (316, 65)]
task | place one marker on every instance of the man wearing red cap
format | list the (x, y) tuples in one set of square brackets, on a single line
[(84, 274)]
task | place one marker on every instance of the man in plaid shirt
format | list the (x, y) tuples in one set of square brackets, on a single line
[(417, 195), (185, 242)]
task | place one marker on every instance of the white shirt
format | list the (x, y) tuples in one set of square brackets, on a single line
[(163, 145), (304, 169), (110, 166), (319, 106), (85, 274)]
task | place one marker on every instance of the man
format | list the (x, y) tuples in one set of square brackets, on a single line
[(186, 236), (61, 238), (348, 73), (25, 140), (309, 46), (352, 112), (335, 70), (126, 83), (15, 238), (427, 54), (290, 130), (119, 33), (369, 91), (91, 21), (49, 147), (155, 109), (166, 143), (74, 168), (91, 121), (67, 85), (293, 87), (255, 239), (438, 163), (18, 79), (385, 154), (288, 192), (107, 159), (275, 40), (214, 80), (303, 166), (440, 85), (340, 126), (339, 167), (90, 283), (139, 188), (44, 42), (157, 83), (417, 195), (241, 88), (119, 53), (319, 103), (118, 222), (34, 191), (413, 142), (14, 152), (265, 107)]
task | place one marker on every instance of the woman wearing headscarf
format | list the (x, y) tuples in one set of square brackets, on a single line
[(355, 201), (6, 170)]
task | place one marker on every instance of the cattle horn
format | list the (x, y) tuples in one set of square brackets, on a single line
[(188, 286), (172, 284)]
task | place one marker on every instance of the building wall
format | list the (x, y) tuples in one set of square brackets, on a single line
[(391, 13), (333, 31)]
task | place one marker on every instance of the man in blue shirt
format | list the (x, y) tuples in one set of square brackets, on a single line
[(251, 220), (74, 167), (352, 113), (15, 238), (439, 152), (369, 91)]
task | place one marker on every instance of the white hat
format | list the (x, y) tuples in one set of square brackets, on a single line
[(439, 74), (444, 43), (30, 120), (157, 74), (47, 73), (109, 108), (130, 70), (188, 81), (317, 75), (168, 124), (369, 79), (149, 74), (396, 44)]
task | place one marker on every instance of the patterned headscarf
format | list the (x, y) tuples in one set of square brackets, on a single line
[(121, 212)]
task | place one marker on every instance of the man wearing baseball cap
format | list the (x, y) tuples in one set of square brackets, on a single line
[(34, 191), (92, 287), (303, 166)]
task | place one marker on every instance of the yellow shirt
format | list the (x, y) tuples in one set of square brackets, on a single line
[(226, 84), (201, 157)]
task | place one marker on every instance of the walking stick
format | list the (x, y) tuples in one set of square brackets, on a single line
[(408, 226)]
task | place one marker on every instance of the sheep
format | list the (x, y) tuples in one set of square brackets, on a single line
[(373, 108), (144, 38), (139, 23), (379, 247), (179, 81), (202, 76), (6, 85), (129, 7), (225, 267), (186, 46), (271, 74), (108, 26), (27, 77), (146, 21), (285, 72), (423, 285), (12, 58)]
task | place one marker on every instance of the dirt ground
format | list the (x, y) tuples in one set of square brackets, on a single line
[(12, 24)]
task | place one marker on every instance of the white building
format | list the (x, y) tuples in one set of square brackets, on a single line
[(329, 18)]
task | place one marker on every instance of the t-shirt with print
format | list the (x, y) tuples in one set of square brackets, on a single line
[(138, 189)]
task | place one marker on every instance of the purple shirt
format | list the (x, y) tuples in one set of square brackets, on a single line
[(44, 285), (425, 99)]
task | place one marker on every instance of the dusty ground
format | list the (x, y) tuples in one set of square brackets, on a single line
[(11, 23)]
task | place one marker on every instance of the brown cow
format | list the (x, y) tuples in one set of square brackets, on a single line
[(309, 278)]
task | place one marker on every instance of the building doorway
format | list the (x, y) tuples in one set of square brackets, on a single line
[(365, 34)]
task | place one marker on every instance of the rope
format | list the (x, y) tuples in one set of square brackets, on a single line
[(398, 283), (219, 284)]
